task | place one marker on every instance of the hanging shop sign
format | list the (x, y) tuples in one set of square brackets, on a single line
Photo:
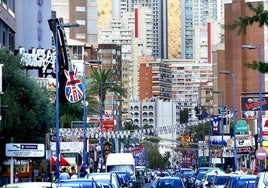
[(242, 127), (244, 150), (244, 140), (108, 125)]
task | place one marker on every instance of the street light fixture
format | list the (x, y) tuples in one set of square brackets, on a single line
[(253, 47), (234, 112), (58, 26), (222, 109)]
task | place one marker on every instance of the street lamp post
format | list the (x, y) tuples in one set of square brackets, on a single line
[(222, 133), (253, 47), (57, 93), (85, 104), (234, 112), (100, 127), (119, 123)]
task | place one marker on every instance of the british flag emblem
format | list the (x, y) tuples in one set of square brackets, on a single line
[(73, 87)]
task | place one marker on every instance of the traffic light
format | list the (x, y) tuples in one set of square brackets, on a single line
[(198, 112)]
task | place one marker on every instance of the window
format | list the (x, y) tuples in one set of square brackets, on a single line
[(4, 38), (80, 9)]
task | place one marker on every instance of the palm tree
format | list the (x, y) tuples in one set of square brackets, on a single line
[(104, 81)]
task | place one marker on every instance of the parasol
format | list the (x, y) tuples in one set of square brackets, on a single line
[(62, 161)]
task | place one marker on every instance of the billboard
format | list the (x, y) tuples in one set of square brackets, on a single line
[(253, 104), (250, 105)]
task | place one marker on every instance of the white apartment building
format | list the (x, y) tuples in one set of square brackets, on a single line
[(188, 79), (134, 33), (163, 116)]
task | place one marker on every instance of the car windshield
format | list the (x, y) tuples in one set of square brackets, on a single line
[(188, 173), (169, 183), (114, 168)]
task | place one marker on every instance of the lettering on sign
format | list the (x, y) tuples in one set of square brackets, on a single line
[(25, 150), (243, 150)]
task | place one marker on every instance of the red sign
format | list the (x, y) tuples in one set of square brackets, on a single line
[(108, 125)]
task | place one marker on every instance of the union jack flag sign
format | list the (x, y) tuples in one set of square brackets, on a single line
[(73, 87)]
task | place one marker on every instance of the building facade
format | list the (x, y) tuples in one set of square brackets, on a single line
[(84, 13), (31, 24), (191, 82), (154, 79), (194, 15), (8, 24)]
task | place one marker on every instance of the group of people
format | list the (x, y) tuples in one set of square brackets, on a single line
[(243, 171), (73, 174)]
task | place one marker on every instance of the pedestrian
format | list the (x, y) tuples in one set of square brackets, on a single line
[(64, 175), (256, 170), (73, 173), (82, 172)]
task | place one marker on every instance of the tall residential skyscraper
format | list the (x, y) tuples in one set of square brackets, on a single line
[(196, 14), (83, 12), (160, 23), (32, 30)]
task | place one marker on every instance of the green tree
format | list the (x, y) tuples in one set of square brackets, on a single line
[(154, 157), (74, 111), (184, 116), (259, 16), (70, 112), (27, 113), (199, 132), (104, 81), (166, 159)]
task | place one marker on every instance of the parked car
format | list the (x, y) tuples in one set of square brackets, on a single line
[(112, 176), (198, 179), (30, 185), (261, 180), (103, 183), (249, 184), (126, 179), (202, 169), (209, 176), (220, 180), (243, 179), (78, 183), (160, 174), (170, 182), (231, 181)]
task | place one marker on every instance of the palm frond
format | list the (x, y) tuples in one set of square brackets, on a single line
[(257, 65)]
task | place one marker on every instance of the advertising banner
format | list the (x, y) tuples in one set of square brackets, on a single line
[(108, 125), (252, 103)]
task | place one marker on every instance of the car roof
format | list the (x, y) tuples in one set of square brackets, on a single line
[(247, 176), (170, 177), (30, 185)]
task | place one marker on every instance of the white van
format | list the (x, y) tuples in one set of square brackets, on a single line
[(261, 180), (122, 162)]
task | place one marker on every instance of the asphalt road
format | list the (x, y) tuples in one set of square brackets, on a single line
[(149, 185)]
